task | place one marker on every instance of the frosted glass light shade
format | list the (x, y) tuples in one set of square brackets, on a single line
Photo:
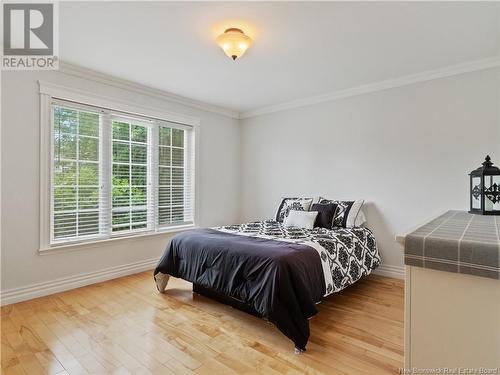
[(234, 42)]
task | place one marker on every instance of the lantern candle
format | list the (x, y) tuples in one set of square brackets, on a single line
[(485, 189)]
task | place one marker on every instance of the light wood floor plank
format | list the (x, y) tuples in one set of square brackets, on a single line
[(124, 327)]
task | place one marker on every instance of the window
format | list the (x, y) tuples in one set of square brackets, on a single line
[(76, 171), (115, 174), (130, 176), (171, 205)]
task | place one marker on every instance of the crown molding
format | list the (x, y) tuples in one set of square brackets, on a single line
[(81, 72), (429, 75)]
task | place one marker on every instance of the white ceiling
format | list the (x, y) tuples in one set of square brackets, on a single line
[(300, 49)]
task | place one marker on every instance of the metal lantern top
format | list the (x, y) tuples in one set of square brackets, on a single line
[(487, 169)]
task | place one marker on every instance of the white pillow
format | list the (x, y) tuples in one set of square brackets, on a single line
[(301, 219)]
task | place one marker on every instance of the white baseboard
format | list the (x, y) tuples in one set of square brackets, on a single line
[(59, 285), (396, 272)]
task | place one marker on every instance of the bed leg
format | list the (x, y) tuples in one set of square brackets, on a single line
[(161, 280), (298, 351)]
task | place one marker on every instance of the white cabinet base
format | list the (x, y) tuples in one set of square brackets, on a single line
[(451, 320)]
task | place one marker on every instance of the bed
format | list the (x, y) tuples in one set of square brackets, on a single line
[(275, 272)]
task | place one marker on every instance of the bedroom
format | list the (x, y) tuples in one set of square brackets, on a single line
[(145, 138)]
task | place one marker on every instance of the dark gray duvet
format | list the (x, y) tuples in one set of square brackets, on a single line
[(280, 272)]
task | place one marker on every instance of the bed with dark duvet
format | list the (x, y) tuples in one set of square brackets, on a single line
[(275, 272)]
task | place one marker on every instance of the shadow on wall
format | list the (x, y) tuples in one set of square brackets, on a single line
[(389, 249)]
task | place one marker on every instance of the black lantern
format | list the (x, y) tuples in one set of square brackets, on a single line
[(485, 189)]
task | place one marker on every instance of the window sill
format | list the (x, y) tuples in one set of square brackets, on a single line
[(69, 247)]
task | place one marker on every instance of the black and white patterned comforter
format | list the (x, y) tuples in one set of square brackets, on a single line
[(347, 254)]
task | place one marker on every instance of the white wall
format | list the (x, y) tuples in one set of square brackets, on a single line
[(219, 174), (407, 151)]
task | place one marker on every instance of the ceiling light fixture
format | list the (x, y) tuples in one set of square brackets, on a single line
[(234, 42)]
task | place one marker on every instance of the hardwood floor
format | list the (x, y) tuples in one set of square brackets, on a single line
[(124, 326)]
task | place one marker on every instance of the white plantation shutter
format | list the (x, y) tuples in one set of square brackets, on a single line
[(116, 174), (76, 179), (132, 200), (174, 164), (189, 176)]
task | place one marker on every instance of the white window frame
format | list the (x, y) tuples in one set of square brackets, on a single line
[(49, 92), (152, 226)]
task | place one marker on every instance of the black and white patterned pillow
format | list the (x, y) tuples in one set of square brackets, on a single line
[(288, 204), (346, 213)]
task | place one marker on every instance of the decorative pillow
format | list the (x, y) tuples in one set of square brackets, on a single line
[(325, 214), (360, 219), (301, 219), (347, 212), (287, 204)]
